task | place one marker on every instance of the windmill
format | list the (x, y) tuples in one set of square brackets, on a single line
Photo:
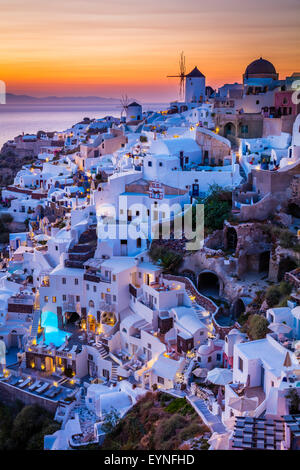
[(181, 75), (124, 104)]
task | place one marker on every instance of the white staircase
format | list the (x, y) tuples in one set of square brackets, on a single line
[(103, 352), (35, 324), (114, 375)]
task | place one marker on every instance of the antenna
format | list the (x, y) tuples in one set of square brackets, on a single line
[(181, 75)]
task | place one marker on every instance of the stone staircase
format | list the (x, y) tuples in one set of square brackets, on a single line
[(243, 174), (114, 375), (103, 352), (35, 324)]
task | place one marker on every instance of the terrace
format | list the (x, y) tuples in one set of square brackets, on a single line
[(56, 389)]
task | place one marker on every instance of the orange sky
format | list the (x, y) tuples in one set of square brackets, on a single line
[(108, 48)]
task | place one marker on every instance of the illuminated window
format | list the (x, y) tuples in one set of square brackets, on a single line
[(54, 299)]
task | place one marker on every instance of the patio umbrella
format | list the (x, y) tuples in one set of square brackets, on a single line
[(219, 376), (219, 441), (200, 372), (242, 404), (280, 328)]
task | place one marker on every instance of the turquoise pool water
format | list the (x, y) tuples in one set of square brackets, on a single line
[(52, 333)]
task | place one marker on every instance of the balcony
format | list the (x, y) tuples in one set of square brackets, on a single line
[(95, 277), (91, 277)]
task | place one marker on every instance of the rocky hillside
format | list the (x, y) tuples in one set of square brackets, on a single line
[(158, 422)]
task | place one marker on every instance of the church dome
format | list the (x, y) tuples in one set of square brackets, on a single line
[(260, 67)]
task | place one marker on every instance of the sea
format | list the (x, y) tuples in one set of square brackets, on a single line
[(30, 118)]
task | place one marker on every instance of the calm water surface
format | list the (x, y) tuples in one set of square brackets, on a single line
[(15, 119)]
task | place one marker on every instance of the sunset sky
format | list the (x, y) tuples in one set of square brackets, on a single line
[(112, 47)]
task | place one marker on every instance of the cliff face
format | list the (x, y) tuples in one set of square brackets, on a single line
[(10, 164)]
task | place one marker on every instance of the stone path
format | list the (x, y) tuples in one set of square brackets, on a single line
[(212, 421)]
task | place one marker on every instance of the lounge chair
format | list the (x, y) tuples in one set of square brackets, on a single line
[(49, 392), (14, 380), (54, 392), (43, 388), (25, 383), (35, 385)]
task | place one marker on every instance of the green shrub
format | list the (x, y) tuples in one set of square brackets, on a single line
[(273, 296), (258, 327), (189, 431), (168, 428)]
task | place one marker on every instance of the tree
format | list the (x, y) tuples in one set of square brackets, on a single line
[(258, 327), (273, 296), (217, 207), (111, 420)]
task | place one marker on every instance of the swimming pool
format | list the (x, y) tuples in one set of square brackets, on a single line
[(52, 333)]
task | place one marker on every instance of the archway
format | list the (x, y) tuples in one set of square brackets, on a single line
[(72, 317), (209, 284), (229, 129), (238, 307), (285, 265), (264, 261), (294, 209), (231, 239)]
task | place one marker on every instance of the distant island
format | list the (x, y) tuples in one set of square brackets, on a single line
[(22, 99)]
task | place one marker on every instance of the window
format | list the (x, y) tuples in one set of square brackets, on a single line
[(56, 247), (114, 277), (76, 282), (114, 298), (160, 380), (257, 101), (77, 298), (95, 288), (160, 164), (64, 280), (240, 364), (209, 359), (149, 346), (87, 287), (54, 299), (46, 298), (149, 163), (90, 357), (138, 242), (64, 297), (219, 357)]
